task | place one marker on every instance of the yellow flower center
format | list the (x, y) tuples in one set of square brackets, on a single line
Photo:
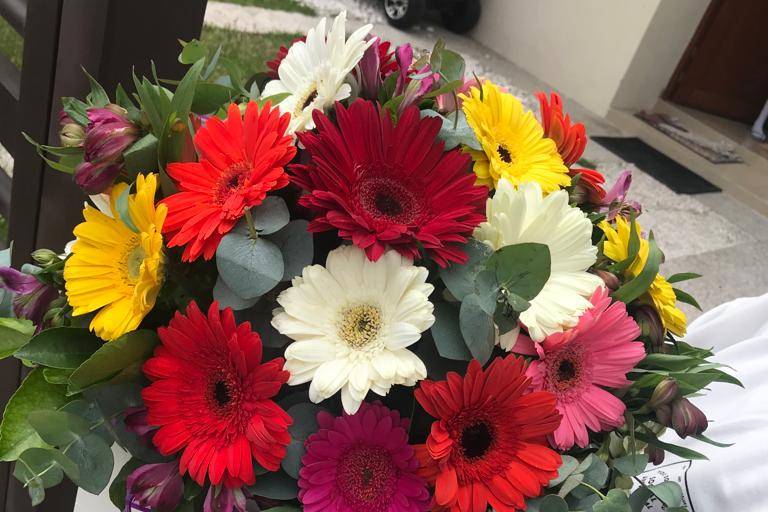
[(130, 262), (360, 325), (306, 100)]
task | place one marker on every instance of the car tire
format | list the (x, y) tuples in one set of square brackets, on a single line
[(404, 13), (462, 16)]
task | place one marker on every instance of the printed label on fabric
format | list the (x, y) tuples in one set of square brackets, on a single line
[(675, 472)]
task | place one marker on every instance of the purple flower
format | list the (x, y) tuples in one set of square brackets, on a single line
[(369, 75), (614, 201), (412, 85), (687, 419), (135, 419), (108, 134), (156, 487), (32, 298), (221, 499)]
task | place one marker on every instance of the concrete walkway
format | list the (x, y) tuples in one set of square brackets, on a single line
[(711, 234)]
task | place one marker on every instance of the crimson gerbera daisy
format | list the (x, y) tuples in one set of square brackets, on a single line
[(383, 185), (576, 364), (488, 446), (211, 397), (361, 463), (571, 139), (241, 159)]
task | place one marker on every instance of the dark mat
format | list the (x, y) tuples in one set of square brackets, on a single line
[(677, 177)]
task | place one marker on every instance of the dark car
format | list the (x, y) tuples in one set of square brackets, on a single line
[(457, 15)]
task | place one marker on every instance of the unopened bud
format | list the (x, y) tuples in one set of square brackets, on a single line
[(72, 135), (45, 257), (610, 279), (687, 419), (651, 327), (655, 454), (663, 394), (664, 415)]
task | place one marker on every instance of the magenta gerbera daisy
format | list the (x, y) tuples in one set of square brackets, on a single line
[(361, 463), (381, 184), (576, 365)]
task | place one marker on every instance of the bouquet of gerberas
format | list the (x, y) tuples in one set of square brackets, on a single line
[(360, 281)]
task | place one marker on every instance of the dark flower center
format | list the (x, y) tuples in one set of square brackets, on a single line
[(389, 200), (504, 154), (221, 393), (231, 180), (310, 99), (366, 476), (566, 371), (475, 440)]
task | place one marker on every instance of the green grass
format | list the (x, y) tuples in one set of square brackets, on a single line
[(250, 51), (11, 43), (278, 5)]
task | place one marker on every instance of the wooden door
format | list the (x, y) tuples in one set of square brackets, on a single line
[(724, 70)]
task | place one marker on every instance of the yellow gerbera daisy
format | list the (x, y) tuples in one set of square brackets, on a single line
[(660, 292), (514, 146), (117, 268)]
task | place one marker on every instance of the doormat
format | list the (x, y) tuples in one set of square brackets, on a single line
[(716, 151), (677, 177)]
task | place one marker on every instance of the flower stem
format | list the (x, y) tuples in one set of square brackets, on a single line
[(585, 484), (253, 233)]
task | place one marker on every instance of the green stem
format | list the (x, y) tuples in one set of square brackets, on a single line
[(253, 233), (602, 496)]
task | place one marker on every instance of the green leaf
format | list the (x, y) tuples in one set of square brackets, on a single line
[(595, 474), (210, 97), (631, 465), (705, 439), (58, 428), (98, 97), (487, 288), (454, 131), (452, 65), (61, 347), (477, 328), (276, 486), (673, 362), (570, 484), (75, 109), (34, 394), (95, 461), (155, 103), (121, 206), (90, 412), (615, 501), (117, 489), (460, 279), (682, 276), (568, 466), (680, 451), (250, 268), (41, 468), (297, 247), (669, 492), (56, 375), (185, 92), (639, 285), (112, 358), (192, 51), (14, 334), (549, 503), (229, 299), (447, 333), (270, 216), (304, 424), (692, 382), (686, 298), (141, 156), (521, 269)]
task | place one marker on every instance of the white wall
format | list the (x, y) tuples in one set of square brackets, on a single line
[(586, 48)]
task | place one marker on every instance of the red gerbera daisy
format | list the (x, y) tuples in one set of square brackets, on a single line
[(571, 139), (591, 182), (240, 161), (211, 398), (382, 185), (488, 446)]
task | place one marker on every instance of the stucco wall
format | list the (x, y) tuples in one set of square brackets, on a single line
[(592, 50)]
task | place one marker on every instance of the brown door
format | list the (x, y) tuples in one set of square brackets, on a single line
[(724, 71)]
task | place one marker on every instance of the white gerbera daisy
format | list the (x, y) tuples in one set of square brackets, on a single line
[(314, 71), (352, 321), (524, 215)]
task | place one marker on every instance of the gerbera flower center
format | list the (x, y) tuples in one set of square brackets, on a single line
[(366, 476), (360, 325), (475, 440), (133, 257), (388, 200), (504, 154), (567, 369), (306, 99), (232, 179), (221, 393)]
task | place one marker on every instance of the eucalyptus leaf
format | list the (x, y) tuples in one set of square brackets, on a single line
[(229, 299), (460, 278), (304, 417), (275, 485), (521, 269), (669, 492), (270, 216), (297, 246), (477, 328), (250, 268), (34, 394), (447, 333), (58, 428), (454, 131), (567, 467), (615, 501), (61, 347), (631, 465), (95, 462), (570, 484)]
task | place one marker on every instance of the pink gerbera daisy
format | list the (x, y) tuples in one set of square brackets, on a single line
[(576, 364), (362, 463)]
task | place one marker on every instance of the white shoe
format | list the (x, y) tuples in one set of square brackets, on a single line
[(759, 135)]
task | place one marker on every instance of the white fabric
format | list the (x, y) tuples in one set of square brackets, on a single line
[(733, 478)]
